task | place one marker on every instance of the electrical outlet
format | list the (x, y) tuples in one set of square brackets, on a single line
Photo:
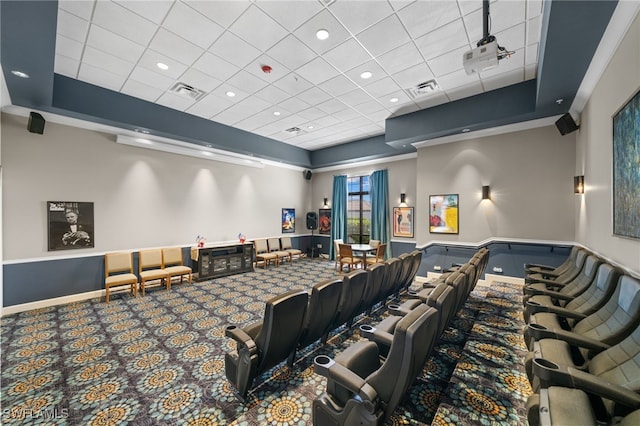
[(497, 269), (319, 245), (437, 268)]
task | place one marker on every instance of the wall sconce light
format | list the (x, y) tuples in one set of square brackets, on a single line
[(403, 199), (325, 203), (578, 184), (486, 192)]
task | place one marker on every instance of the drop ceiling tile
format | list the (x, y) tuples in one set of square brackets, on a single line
[(414, 75), (226, 87), (332, 106), (323, 20), (72, 26), (423, 17), (108, 62), (531, 54), (232, 49), (153, 10), (292, 84), (141, 91), (372, 67), (314, 96), (465, 91), (258, 121), (114, 44), (534, 8), (317, 71), (348, 114), (66, 66), (504, 79), (81, 8), (209, 106), (456, 79), (338, 85), (191, 25), (412, 107), (382, 87), (68, 47), (290, 120), (175, 101), (100, 77), (400, 58), (355, 97), (379, 116), (199, 80), (251, 106), (447, 63), (347, 55), (272, 94), (293, 104), (291, 52), (122, 21), (247, 82), (370, 107), (150, 78), (229, 116), (470, 6), (215, 65), (150, 59), (384, 36), (504, 14), (444, 39), (358, 15), (290, 14), (175, 47), (224, 13), (399, 94), (400, 4), (512, 38), (270, 32), (530, 72), (312, 113), (277, 69), (533, 30)]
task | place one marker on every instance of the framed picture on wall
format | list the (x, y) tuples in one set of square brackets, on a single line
[(324, 221), (443, 214), (403, 222), (70, 225), (626, 169), (288, 220)]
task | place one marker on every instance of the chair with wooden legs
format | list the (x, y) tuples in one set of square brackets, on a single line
[(262, 253), (347, 258), (151, 269), (118, 272), (174, 264)]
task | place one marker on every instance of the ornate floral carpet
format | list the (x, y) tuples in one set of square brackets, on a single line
[(159, 359)]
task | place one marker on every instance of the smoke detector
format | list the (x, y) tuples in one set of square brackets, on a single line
[(422, 89), (186, 90)]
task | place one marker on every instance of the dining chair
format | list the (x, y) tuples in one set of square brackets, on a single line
[(118, 272), (150, 268), (346, 257), (174, 265), (379, 257), (336, 249)]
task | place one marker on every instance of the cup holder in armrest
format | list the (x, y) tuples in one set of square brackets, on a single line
[(228, 330), (367, 331), (393, 306), (412, 293), (545, 363), (533, 302), (321, 364), (537, 326), (548, 372)]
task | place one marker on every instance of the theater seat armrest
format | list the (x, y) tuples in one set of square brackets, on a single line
[(558, 310), (541, 332), (327, 367), (538, 265), (549, 282), (594, 384), (241, 338)]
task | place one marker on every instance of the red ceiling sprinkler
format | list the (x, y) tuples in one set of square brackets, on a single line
[(266, 69)]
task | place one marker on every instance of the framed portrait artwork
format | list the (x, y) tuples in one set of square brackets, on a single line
[(288, 221), (403, 222), (70, 225), (443, 214), (324, 221), (626, 169)]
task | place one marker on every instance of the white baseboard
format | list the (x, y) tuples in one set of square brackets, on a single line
[(503, 279), (8, 310)]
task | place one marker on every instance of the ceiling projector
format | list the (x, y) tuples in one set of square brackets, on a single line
[(481, 58)]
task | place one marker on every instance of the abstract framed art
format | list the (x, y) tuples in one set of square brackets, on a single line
[(324, 221), (443, 214), (626, 169)]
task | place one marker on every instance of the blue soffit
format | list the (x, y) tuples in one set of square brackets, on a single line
[(571, 31)]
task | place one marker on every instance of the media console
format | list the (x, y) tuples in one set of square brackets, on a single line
[(220, 260)]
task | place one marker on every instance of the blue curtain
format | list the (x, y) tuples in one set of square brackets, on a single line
[(338, 212), (379, 191)]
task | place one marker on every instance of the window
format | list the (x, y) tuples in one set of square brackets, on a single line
[(358, 210)]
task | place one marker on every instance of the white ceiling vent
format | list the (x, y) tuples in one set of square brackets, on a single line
[(422, 89), (186, 90), (294, 130)]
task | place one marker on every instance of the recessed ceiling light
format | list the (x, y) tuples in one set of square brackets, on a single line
[(466, 130), (322, 34), (230, 94), (276, 112), (366, 74), (309, 127), (393, 100), (162, 66), (20, 74)]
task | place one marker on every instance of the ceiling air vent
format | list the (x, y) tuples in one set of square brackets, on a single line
[(422, 89), (186, 90), (294, 130)]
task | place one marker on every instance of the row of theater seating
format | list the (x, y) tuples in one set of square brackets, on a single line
[(298, 318), (367, 381), (583, 334)]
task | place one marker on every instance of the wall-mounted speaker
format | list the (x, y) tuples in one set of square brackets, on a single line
[(36, 123), (307, 174), (566, 125), (312, 220)]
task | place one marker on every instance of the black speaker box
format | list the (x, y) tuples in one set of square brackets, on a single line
[(307, 174), (36, 123), (312, 220), (566, 125)]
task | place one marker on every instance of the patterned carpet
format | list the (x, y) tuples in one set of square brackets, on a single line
[(159, 360)]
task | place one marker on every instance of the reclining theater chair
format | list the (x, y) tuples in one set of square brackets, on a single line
[(263, 345), (362, 390)]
